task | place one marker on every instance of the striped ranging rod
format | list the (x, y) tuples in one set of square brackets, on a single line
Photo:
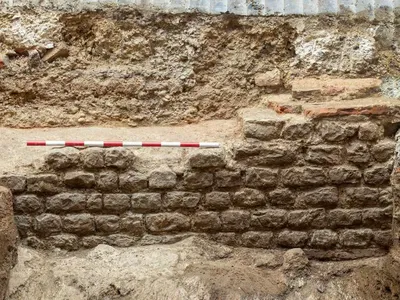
[(121, 144)]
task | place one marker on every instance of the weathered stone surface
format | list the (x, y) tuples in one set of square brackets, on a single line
[(263, 132), (243, 150), (206, 221), (217, 200), (378, 217), (385, 197), (226, 238), (282, 198), (132, 182), (121, 240), (107, 181), (24, 225), (146, 202), (132, 223), (324, 155), (376, 175), (107, 223), (360, 197), (118, 157), (383, 238), (294, 260), (92, 241), (66, 202), (162, 178), (116, 203), (93, 158), (47, 224), (227, 178), (292, 239), (269, 219), (337, 131), (356, 238), (303, 176), (206, 159), (165, 222), (79, 179), (94, 202), (258, 239), (43, 183), (61, 51), (15, 183), (323, 239), (261, 177), (235, 220), (358, 153), (249, 198), (344, 175), (181, 200), (321, 197), (81, 224), (315, 218), (197, 180), (383, 150), (297, 130), (27, 204), (268, 79), (370, 131), (344, 218), (68, 242), (59, 159)]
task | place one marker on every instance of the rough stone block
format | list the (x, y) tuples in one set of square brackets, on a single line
[(206, 159), (79, 179), (93, 158), (116, 203), (269, 219), (297, 130), (119, 158), (383, 151), (66, 202), (321, 197), (28, 204), (337, 131), (81, 224), (276, 154), (107, 223), (360, 197), (121, 240), (47, 224), (107, 181), (146, 202), (377, 175), (16, 183), (205, 221), (292, 239), (226, 178), (249, 198), (263, 132), (385, 197), (64, 241), (92, 241), (94, 202), (245, 150), (132, 182), (358, 153), (235, 220), (356, 238), (226, 238), (132, 223), (315, 218), (217, 201), (344, 175), (261, 177), (370, 131), (59, 159), (344, 218), (181, 200), (324, 155), (24, 225), (383, 238), (43, 183), (257, 239), (268, 79), (282, 198), (197, 180), (323, 239), (303, 176), (378, 217), (162, 178), (166, 222)]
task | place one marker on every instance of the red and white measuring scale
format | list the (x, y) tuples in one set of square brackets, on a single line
[(122, 144)]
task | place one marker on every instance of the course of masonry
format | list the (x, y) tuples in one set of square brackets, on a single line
[(306, 172)]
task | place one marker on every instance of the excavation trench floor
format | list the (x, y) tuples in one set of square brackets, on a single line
[(17, 157)]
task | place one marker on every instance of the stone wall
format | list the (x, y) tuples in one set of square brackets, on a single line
[(320, 184)]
